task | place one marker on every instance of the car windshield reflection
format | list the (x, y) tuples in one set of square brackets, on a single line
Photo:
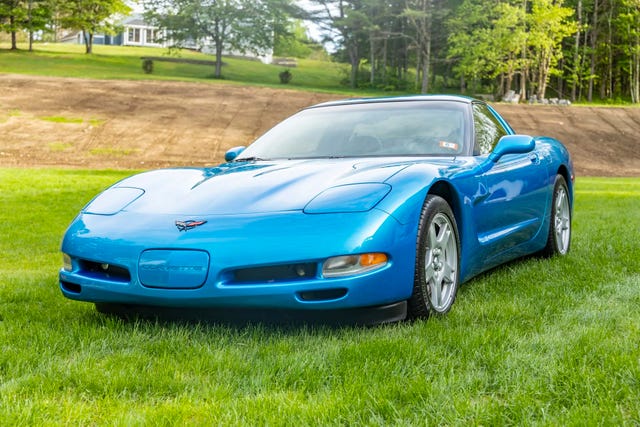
[(378, 129)]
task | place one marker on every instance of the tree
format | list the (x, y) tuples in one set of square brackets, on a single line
[(346, 24), (508, 38), (239, 25), (419, 14), (629, 26), (12, 17), (295, 42), (37, 18), (550, 24), (24, 15), (92, 16), (470, 41)]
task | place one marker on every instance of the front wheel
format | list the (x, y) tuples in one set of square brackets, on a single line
[(437, 260), (559, 238)]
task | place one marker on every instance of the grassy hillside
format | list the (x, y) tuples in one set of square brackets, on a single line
[(119, 62)]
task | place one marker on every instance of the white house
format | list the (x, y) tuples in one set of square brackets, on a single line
[(136, 32)]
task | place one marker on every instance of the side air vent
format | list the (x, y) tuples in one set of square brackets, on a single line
[(104, 271)]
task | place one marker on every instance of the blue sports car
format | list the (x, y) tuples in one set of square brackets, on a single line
[(374, 209)]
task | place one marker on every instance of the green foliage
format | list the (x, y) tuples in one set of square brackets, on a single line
[(294, 42), (285, 76), (550, 24), (536, 342), (499, 39), (24, 15), (147, 66), (91, 17), (216, 25)]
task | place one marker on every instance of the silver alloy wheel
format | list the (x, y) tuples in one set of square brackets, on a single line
[(441, 262), (562, 220)]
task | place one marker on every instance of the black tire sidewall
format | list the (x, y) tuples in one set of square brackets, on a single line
[(420, 304), (553, 248)]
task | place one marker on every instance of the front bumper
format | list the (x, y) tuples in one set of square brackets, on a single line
[(247, 243)]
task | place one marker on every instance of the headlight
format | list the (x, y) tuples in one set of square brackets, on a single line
[(349, 265), (113, 200), (66, 262), (348, 198)]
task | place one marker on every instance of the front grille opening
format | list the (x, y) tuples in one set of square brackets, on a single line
[(323, 295), (276, 273), (70, 287), (104, 271)]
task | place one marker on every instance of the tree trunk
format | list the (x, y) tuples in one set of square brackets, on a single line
[(594, 37), (634, 72), (609, 85), (426, 64), (30, 27), (218, 72), (576, 56), (561, 79), (384, 61), (218, 40), (372, 45), (354, 59), (425, 42), (14, 39), (418, 69), (88, 41), (525, 68)]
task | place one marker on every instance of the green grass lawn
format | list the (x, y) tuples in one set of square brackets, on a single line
[(120, 62), (536, 342)]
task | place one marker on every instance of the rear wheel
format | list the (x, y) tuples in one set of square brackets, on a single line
[(437, 260), (559, 238)]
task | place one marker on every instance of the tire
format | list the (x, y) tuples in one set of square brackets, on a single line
[(559, 238), (437, 275)]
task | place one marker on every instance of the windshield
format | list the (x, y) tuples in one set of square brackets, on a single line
[(415, 128)]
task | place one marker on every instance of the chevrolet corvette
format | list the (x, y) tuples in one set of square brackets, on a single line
[(372, 209)]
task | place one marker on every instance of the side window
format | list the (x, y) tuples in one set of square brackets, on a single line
[(488, 130)]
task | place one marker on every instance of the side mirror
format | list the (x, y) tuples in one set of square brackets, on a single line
[(512, 144), (234, 152)]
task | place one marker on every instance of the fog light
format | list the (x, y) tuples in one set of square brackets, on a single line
[(349, 265), (66, 262)]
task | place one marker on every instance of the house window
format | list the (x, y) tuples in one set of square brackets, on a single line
[(153, 36), (134, 35)]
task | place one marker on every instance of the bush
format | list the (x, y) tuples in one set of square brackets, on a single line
[(147, 66), (285, 77)]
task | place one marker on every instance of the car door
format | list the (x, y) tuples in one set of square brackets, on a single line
[(512, 209)]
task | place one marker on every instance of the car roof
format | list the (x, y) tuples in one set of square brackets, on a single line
[(390, 99)]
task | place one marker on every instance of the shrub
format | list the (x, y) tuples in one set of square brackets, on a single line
[(285, 77), (147, 66)]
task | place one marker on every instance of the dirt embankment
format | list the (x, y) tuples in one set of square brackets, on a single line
[(130, 124)]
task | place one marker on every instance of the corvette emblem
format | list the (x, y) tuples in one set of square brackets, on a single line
[(189, 224)]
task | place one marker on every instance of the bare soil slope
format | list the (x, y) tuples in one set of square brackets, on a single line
[(131, 124)]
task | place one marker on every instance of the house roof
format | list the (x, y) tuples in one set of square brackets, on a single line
[(135, 19)]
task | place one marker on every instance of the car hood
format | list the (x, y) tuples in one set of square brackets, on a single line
[(250, 187)]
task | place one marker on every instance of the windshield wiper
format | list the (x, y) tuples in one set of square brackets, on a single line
[(249, 159)]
